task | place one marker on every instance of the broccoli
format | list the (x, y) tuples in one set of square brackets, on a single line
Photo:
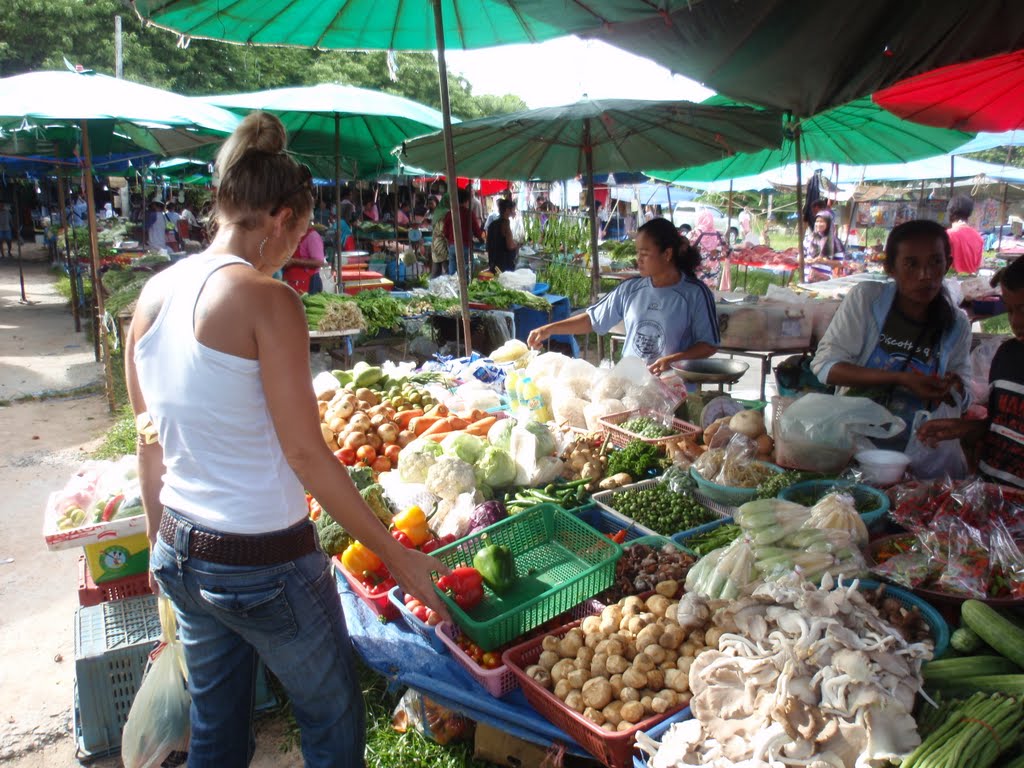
[(333, 538), (361, 476), (373, 495)]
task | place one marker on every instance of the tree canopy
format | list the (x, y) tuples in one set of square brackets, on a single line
[(40, 34)]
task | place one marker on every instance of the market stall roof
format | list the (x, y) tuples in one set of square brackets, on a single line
[(550, 144), (361, 125), (986, 140), (155, 120), (651, 194), (934, 168), (980, 95), (841, 50), (857, 133)]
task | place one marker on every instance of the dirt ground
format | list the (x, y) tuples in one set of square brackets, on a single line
[(42, 443)]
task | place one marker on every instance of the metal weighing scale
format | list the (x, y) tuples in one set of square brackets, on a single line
[(703, 407)]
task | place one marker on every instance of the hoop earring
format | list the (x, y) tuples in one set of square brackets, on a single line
[(263, 242)]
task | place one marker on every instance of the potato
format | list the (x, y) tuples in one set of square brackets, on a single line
[(683, 664), (712, 636), (328, 435), (629, 694), (624, 725), (583, 657), (615, 681), (593, 640), (368, 396), (672, 637), (632, 712), (634, 678), (591, 625), (599, 665), (562, 669), (677, 680), (643, 663), (637, 623), (578, 677), (570, 644), (656, 653), (594, 715), (322, 408), (632, 605), (656, 679), (548, 659), (549, 643), (574, 700), (649, 635), (540, 675), (662, 703), (612, 713), (597, 693), (647, 703), (658, 604), (562, 689), (617, 664)]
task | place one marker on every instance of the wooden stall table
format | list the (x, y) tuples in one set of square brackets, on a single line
[(338, 344)]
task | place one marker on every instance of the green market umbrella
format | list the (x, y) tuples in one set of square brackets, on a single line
[(330, 122), (408, 25), (597, 137), (156, 120)]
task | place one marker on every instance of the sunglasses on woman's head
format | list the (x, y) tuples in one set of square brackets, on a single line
[(306, 182)]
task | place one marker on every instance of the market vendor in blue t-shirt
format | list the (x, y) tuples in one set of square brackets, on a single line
[(669, 314)]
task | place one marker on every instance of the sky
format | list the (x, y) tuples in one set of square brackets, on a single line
[(562, 71)]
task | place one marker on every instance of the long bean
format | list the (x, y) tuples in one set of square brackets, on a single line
[(974, 734)]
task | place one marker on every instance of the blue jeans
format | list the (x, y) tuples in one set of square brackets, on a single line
[(290, 615), (453, 268)]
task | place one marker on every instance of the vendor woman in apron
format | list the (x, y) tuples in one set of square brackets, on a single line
[(901, 343)]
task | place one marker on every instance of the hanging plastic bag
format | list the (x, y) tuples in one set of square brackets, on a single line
[(821, 433), (158, 723), (947, 458)]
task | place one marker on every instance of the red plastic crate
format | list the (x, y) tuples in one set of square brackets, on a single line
[(377, 600), (613, 749), (90, 593)]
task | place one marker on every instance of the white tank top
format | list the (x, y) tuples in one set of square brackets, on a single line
[(225, 469)]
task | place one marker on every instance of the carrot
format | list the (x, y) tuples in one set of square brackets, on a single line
[(402, 418), (440, 410), (439, 427), (421, 424), (481, 427), (437, 437), (458, 423)]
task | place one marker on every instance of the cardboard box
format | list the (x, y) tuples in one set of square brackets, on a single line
[(502, 748), (117, 557)]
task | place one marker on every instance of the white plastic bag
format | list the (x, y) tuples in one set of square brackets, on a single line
[(520, 280), (981, 365), (158, 723), (947, 458), (821, 432)]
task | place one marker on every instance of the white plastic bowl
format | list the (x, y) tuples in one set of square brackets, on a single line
[(883, 467)]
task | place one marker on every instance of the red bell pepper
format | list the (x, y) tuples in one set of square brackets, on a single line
[(402, 538), (433, 544), (464, 585)]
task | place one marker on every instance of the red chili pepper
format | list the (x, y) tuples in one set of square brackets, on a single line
[(402, 538), (464, 585), (434, 544), (618, 537)]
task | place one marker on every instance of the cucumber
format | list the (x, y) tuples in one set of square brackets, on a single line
[(995, 629), (1008, 685), (966, 640), (967, 666)]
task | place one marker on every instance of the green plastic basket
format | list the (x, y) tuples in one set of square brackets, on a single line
[(560, 562)]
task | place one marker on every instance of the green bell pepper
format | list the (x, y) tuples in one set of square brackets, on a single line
[(496, 564)]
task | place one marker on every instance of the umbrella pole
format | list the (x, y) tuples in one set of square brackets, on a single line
[(1002, 218), (145, 211), (17, 232), (595, 262), (72, 267), (799, 206), (728, 225), (97, 286), (952, 172), (453, 186), (920, 200), (337, 200)]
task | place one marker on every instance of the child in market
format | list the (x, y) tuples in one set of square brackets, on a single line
[(1001, 435)]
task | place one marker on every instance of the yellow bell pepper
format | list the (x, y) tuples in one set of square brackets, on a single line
[(358, 559), (413, 523)]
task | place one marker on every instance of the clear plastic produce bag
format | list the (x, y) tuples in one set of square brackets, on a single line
[(947, 458), (158, 723)]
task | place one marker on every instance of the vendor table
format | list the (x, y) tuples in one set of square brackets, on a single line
[(766, 357), (405, 658), (529, 319), (785, 272), (333, 341)]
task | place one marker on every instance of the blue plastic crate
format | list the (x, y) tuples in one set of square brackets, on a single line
[(426, 631), (604, 521), (657, 731), (682, 536), (113, 641)]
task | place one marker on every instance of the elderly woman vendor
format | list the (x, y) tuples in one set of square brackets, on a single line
[(669, 314), (901, 343)]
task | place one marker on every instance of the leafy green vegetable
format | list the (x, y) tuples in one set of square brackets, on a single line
[(381, 310), (636, 459), (718, 537), (333, 538), (492, 293)]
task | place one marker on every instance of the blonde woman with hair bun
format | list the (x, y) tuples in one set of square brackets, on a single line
[(217, 365)]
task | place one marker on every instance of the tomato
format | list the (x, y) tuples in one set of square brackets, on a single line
[(380, 464), (413, 604), (420, 612), (346, 456), (490, 660), (433, 619), (392, 451), (366, 453)]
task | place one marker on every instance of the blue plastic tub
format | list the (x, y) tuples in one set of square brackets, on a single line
[(938, 626), (604, 521), (426, 631), (819, 488), (724, 494), (682, 537)]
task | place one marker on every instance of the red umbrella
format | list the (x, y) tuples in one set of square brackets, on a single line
[(484, 187), (980, 95)]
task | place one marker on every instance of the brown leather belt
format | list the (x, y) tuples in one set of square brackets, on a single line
[(238, 549)]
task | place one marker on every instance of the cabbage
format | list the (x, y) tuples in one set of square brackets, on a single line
[(495, 468), (463, 446), (545, 441), (500, 433)]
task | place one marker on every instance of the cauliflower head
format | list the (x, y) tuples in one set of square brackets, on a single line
[(449, 476), (417, 457)]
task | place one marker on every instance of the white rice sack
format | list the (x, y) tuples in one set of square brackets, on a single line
[(568, 410), (577, 386), (609, 387), (547, 364)]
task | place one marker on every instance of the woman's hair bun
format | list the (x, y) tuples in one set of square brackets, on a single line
[(262, 132)]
